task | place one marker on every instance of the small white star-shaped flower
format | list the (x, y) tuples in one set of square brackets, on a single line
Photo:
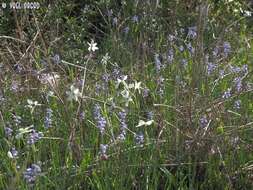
[(92, 46), (74, 93), (143, 123), (123, 81), (136, 85)]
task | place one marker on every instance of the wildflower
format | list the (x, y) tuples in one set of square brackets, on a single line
[(115, 73), (145, 92), (160, 80), (32, 104), (192, 32), (122, 135), (237, 104), (158, 63), (74, 93), (143, 123), (150, 115), (226, 48), (135, 19), (210, 68), (139, 139), (160, 91), (203, 121), (56, 59), (123, 125), (121, 80), (181, 48), (171, 38), (13, 153), (8, 131), (96, 112), (170, 56), (18, 68), (238, 84), (15, 85), (101, 121), (190, 48), (234, 69), (247, 13), (136, 86), (105, 78), (92, 46), (122, 118), (22, 131), (82, 115), (31, 173), (34, 136), (50, 79), (101, 124), (245, 68), (227, 93), (126, 30), (48, 118)]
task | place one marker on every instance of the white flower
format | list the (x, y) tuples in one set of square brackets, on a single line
[(123, 81), (32, 104), (143, 123), (126, 95), (51, 79), (22, 131), (74, 93), (137, 86), (9, 154), (92, 46), (247, 13), (13, 153)]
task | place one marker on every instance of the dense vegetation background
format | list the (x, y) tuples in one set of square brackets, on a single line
[(136, 94)]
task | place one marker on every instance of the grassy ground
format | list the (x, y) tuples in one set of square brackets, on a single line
[(129, 95)]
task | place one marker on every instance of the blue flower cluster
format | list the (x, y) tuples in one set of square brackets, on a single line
[(31, 173), (101, 121)]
